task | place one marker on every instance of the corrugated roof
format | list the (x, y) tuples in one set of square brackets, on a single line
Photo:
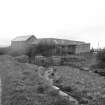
[(22, 38), (58, 41)]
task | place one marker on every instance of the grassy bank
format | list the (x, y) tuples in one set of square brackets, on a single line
[(21, 85), (83, 85)]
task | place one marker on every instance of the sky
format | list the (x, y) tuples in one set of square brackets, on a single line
[(82, 20)]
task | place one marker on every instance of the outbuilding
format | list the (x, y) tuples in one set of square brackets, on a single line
[(21, 43), (68, 46)]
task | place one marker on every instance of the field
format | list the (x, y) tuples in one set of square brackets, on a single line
[(22, 85), (83, 85)]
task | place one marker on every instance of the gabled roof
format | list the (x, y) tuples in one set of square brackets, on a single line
[(23, 38), (58, 41)]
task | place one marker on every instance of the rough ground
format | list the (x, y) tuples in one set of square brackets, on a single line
[(83, 85), (22, 85)]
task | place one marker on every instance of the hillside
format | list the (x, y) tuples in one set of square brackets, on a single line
[(21, 85), (86, 87)]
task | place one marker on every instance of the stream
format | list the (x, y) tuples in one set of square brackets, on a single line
[(47, 75)]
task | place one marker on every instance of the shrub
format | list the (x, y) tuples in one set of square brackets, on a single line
[(46, 49), (101, 59), (22, 59), (41, 89), (92, 50)]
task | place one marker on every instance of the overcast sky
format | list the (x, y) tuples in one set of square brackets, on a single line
[(82, 20)]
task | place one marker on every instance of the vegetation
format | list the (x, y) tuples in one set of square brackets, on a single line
[(11, 52), (22, 59), (43, 49), (101, 59), (22, 85), (99, 66), (86, 87), (4, 50)]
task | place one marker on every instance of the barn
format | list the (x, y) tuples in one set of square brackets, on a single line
[(69, 46), (21, 43)]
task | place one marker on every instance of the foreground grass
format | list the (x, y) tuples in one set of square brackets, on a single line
[(88, 88), (21, 85)]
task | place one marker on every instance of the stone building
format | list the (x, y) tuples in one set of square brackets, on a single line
[(21, 43), (69, 46)]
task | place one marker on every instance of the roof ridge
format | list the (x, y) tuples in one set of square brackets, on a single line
[(22, 38), (62, 39)]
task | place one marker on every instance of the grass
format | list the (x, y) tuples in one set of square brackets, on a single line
[(80, 84), (21, 85)]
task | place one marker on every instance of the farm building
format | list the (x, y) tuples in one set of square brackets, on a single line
[(21, 43), (69, 46)]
